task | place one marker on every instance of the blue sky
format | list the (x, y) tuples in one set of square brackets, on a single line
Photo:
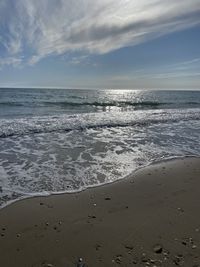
[(100, 44)]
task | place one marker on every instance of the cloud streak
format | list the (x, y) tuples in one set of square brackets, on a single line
[(36, 29)]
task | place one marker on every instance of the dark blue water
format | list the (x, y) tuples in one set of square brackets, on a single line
[(39, 102), (54, 141)]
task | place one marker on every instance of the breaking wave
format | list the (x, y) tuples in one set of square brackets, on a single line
[(60, 123)]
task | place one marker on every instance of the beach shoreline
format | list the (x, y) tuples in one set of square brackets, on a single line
[(148, 219)]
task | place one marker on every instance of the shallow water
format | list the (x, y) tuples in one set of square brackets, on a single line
[(83, 145)]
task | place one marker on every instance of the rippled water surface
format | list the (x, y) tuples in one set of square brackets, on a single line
[(67, 140)]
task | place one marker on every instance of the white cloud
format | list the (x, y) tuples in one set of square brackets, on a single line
[(14, 61), (36, 28)]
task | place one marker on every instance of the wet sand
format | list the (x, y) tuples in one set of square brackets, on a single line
[(151, 218)]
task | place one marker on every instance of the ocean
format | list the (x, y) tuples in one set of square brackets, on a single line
[(55, 140)]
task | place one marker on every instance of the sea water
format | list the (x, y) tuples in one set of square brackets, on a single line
[(55, 141)]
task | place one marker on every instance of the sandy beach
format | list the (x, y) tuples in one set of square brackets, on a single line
[(151, 218)]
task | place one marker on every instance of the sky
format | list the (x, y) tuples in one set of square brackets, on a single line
[(122, 44)]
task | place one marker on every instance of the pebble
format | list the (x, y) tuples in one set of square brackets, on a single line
[(194, 246), (129, 247), (158, 249), (107, 198), (180, 209), (97, 247), (144, 257), (118, 259), (191, 240), (18, 235), (166, 253), (92, 216), (80, 263)]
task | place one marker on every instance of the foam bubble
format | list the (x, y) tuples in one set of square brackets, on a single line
[(54, 161)]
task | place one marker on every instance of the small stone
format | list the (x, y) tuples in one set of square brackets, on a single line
[(3, 229), (144, 257), (194, 246), (129, 247), (46, 223), (92, 216), (191, 240), (97, 247), (158, 248), (41, 203), (176, 261), (166, 253), (48, 265), (197, 229), (179, 256), (118, 259), (2, 234), (107, 198), (80, 263), (18, 235), (184, 243)]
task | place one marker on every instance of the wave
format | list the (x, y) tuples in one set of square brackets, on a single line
[(65, 104), (106, 104), (97, 104), (60, 123), (9, 103)]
